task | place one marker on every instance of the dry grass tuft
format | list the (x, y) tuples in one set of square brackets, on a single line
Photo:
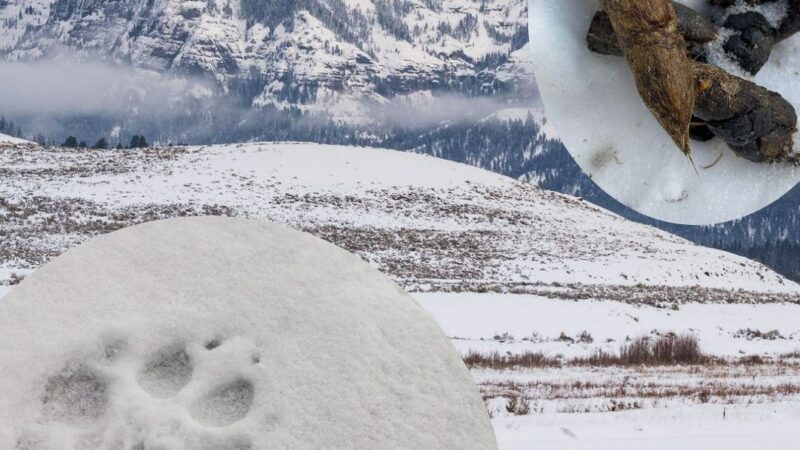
[(497, 361), (667, 350)]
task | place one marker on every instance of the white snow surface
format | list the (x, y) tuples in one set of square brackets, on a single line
[(428, 223), (592, 100), (514, 324), (769, 427), (220, 333), (6, 139)]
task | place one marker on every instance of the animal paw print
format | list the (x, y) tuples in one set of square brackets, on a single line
[(76, 395), (197, 394), (166, 373)]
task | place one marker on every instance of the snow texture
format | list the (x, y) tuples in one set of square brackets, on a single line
[(592, 100), (211, 333), (771, 426)]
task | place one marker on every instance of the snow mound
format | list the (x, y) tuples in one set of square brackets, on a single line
[(213, 333), (592, 101)]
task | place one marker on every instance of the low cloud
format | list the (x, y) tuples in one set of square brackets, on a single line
[(65, 85), (426, 110), (69, 95)]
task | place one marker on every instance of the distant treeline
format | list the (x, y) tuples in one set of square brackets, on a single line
[(8, 127), (136, 141)]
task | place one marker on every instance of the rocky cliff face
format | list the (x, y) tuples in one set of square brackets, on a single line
[(340, 57)]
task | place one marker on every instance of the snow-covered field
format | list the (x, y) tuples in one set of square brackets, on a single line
[(768, 427), (547, 265), (715, 406), (518, 323), (592, 101)]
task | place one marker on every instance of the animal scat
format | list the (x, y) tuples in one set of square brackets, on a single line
[(647, 31), (756, 123), (696, 29)]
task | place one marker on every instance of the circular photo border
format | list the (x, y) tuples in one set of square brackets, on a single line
[(592, 102)]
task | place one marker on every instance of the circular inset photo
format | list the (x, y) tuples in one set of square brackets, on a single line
[(684, 111), (213, 333)]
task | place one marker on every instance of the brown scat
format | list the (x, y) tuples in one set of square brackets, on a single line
[(756, 123), (696, 29), (788, 27), (601, 37), (751, 41), (656, 53), (791, 24)]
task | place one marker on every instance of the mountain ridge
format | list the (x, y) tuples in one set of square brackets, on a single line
[(329, 56)]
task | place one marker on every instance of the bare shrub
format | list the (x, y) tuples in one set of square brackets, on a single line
[(599, 358), (622, 405), (747, 333), (518, 405), (670, 349), (636, 352), (752, 360), (686, 350), (564, 338), (664, 350), (505, 337)]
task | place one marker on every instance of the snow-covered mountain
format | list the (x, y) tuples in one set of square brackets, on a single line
[(432, 225), (339, 57)]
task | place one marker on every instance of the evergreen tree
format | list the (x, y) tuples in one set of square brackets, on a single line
[(71, 142), (101, 144), (138, 142)]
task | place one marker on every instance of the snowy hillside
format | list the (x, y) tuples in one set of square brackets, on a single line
[(432, 225), (336, 56), (6, 139)]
